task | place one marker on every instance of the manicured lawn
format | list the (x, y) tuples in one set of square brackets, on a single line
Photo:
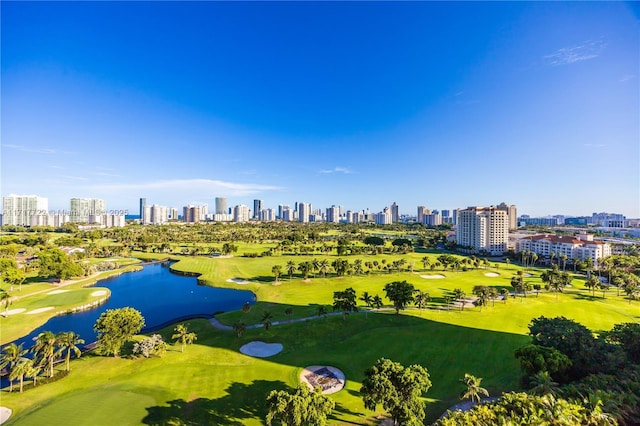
[(213, 383)]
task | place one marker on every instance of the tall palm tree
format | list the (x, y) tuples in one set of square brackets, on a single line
[(19, 371), (11, 355), (183, 336), (5, 299), (421, 299), (459, 295), (69, 341), (505, 294), (377, 303), (276, 271), (425, 262), (592, 283), (239, 328), (45, 350), (324, 267), (33, 372), (474, 390), (291, 267), (266, 319), (543, 384)]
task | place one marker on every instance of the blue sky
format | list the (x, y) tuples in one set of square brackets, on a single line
[(356, 104)]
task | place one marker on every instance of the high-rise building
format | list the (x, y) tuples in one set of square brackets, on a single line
[(333, 214), (240, 213), (304, 210), (512, 212), (143, 202), (287, 214), (257, 208), (81, 208), (18, 209), (155, 215), (395, 213), (384, 217), (422, 212), (485, 229), (221, 205), (432, 219), (191, 214)]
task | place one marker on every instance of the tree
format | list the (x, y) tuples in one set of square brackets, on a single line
[(535, 359), (473, 390), (421, 300), (460, 295), (592, 284), (425, 262), (542, 384), (183, 336), (398, 389), (239, 328), (11, 274), (148, 346), (11, 355), (505, 294), (401, 293), (303, 407), (19, 371), (323, 267), (322, 311), (276, 271), (266, 319), (626, 335), (54, 263), (115, 327), (291, 268), (45, 350), (368, 300), (345, 301), (6, 300), (376, 303), (69, 341)]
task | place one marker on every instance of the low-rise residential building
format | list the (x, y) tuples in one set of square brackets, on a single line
[(581, 246)]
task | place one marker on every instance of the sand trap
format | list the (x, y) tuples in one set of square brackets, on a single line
[(432, 277), (491, 274), (5, 413), (57, 291), (330, 379), (14, 311), (37, 311), (99, 293), (261, 349), (526, 275), (237, 281)]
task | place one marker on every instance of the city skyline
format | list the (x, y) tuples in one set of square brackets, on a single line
[(446, 105)]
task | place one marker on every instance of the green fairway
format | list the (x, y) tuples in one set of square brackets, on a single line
[(213, 383)]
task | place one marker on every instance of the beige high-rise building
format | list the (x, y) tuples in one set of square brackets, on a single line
[(512, 211), (485, 229), (81, 208)]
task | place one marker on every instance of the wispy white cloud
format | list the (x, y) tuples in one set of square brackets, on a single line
[(30, 149), (626, 77), (74, 177), (105, 174), (56, 167), (570, 55), (192, 185), (595, 145), (344, 170)]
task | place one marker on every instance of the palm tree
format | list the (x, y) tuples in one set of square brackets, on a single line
[(322, 311), (421, 299), (45, 350), (11, 355), (377, 303), (459, 295), (425, 262), (324, 267), (33, 372), (474, 390), (592, 283), (19, 371), (543, 384), (507, 261), (183, 336), (505, 294), (288, 312), (291, 267), (239, 328), (276, 271), (5, 299), (69, 341), (266, 319), (367, 299)]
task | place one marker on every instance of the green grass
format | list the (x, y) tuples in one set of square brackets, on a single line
[(212, 383)]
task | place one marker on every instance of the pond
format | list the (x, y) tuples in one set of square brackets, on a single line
[(162, 297)]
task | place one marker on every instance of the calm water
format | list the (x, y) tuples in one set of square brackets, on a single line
[(160, 295)]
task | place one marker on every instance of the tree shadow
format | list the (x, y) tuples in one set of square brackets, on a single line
[(242, 401)]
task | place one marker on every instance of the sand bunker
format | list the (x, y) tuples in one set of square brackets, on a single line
[(526, 275), (261, 349), (99, 293), (57, 291), (14, 311), (491, 274), (330, 379), (432, 277), (37, 311), (237, 281), (5, 413)]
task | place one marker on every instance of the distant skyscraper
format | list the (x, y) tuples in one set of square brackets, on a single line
[(395, 213), (221, 205), (422, 212), (18, 209), (304, 210), (333, 214), (240, 213), (191, 214), (384, 217), (257, 207), (143, 202), (82, 208)]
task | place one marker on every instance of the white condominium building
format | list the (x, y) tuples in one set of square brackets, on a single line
[(155, 215), (483, 229), (82, 208), (512, 211), (304, 210), (385, 217), (582, 246), (18, 209), (241, 213)]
